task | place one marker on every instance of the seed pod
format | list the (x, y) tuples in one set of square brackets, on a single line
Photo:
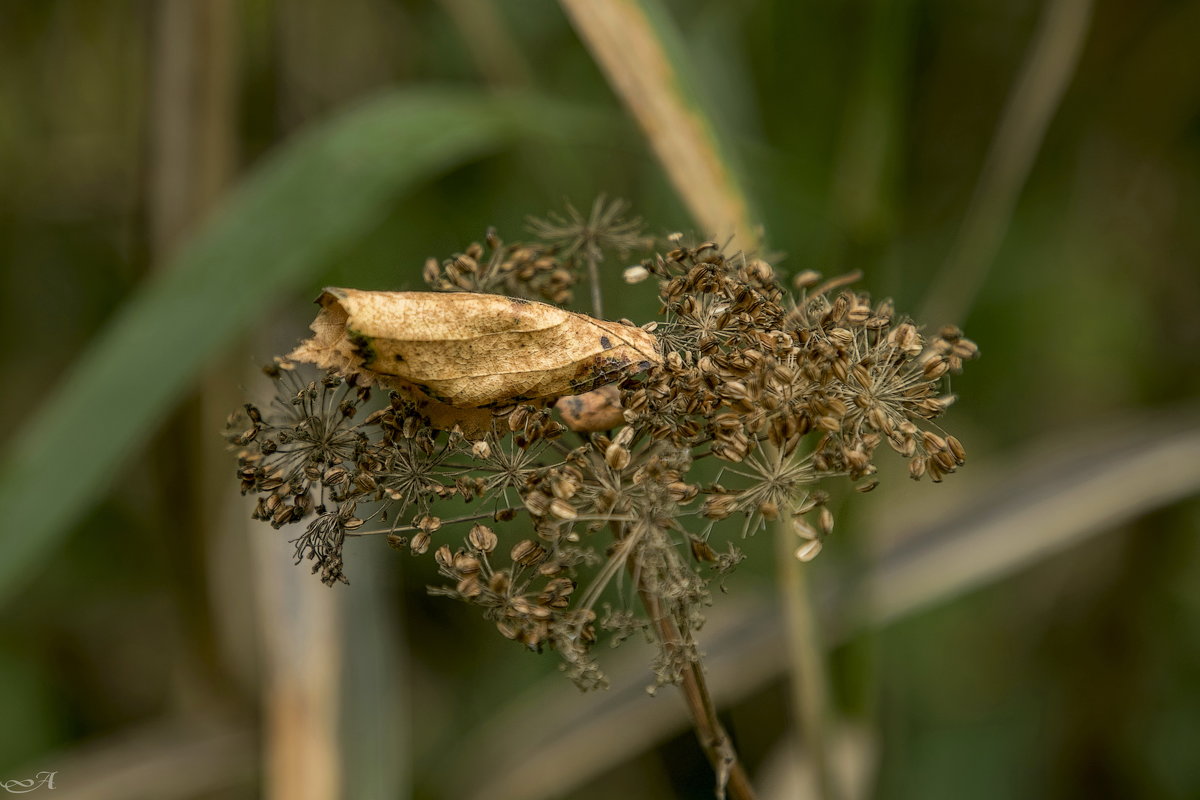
[(701, 550), (932, 441), (465, 564), (469, 350), (636, 274), (825, 520), (562, 509), (537, 503), (482, 538), (809, 550), (469, 586), (616, 456), (420, 542), (802, 529), (916, 467), (527, 553)]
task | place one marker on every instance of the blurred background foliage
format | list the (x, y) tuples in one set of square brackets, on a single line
[(154, 644)]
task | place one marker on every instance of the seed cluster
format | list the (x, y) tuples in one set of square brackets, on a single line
[(762, 397)]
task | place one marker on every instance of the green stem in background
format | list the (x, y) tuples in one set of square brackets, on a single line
[(806, 655), (1048, 67)]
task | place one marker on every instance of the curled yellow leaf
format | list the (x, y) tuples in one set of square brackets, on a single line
[(468, 350)]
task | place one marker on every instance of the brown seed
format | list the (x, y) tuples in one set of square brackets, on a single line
[(825, 521), (636, 274), (617, 456), (335, 476), (537, 503), (467, 565), (562, 509), (733, 390), (809, 550), (841, 338), (916, 468), (828, 423), (527, 553), (702, 551), (469, 586), (719, 506), (563, 487), (420, 542), (933, 441), (444, 557), (482, 538), (935, 367), (500, 581)]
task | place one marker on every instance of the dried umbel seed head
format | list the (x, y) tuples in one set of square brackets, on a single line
[(535, 450)]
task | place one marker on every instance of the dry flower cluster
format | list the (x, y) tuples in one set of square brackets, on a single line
[(556, 503)]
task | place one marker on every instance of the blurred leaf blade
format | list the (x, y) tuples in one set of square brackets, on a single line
[(312, 198)]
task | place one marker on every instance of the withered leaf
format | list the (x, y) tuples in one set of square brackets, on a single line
[(468, 350)]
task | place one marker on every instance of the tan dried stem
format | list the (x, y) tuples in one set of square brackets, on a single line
[(732, 780), (630, 51)]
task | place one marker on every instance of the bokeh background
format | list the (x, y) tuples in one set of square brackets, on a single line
[(1030, 628)]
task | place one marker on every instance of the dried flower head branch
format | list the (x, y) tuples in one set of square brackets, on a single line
[(579, 449)]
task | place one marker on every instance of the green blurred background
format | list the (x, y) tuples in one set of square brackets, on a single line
[(154, 643)]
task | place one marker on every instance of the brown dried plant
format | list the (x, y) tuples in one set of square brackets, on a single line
[(563, 501)]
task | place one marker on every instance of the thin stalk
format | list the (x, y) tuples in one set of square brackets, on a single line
[(806, 655), (732, 780), (593, 268), (1045, 73)]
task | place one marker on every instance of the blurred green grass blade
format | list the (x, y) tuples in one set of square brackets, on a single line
[(309, 201)]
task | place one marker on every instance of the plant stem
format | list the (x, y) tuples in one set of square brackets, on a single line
[(732, 780), (594, 279), (806, 658)]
